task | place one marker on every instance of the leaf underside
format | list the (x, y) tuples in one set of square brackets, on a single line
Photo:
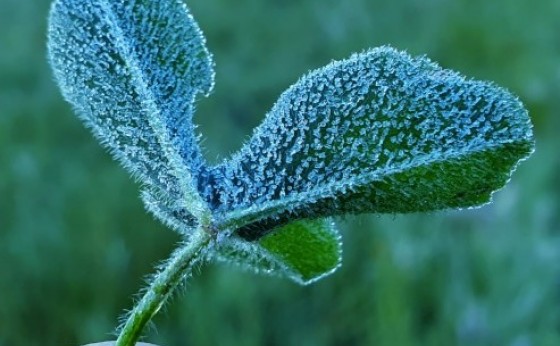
[(378, 132), (304, 251)]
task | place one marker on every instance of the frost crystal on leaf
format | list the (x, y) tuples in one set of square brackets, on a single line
[(304, 251), (378, 132), (132, 70)]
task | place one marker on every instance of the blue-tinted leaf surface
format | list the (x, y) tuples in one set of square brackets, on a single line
[(304, 251), (132, 70), (378, 132), (170, 211)]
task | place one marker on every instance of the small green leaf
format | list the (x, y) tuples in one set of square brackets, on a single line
[(304, 250), (310, 249)]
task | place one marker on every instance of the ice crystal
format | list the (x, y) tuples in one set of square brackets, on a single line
[(132, 70), (378, 132)]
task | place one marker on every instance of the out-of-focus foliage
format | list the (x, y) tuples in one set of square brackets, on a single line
[(75, 240)]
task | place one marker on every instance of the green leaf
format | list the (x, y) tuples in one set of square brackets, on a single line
[(378, 132), (132, 70), (304, 250)]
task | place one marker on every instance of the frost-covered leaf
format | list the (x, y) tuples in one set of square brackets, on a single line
[(132, 70), (304, 250), (378, 132), (168, 210)]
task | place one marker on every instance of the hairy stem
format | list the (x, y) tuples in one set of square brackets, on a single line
[(165, 282)]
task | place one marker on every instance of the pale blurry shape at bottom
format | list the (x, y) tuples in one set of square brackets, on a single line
[(112, 343)]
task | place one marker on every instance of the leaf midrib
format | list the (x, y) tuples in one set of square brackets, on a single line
[(180, 171)]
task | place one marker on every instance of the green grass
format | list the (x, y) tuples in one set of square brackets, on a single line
[(75, 241)]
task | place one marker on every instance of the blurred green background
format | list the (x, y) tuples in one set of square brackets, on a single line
[(76, 244)]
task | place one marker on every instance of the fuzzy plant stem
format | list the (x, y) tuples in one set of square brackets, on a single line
[(163, 285)]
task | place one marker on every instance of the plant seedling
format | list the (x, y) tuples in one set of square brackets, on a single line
[(379, 132)]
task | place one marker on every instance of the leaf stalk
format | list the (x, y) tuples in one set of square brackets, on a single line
[(172, 273)]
